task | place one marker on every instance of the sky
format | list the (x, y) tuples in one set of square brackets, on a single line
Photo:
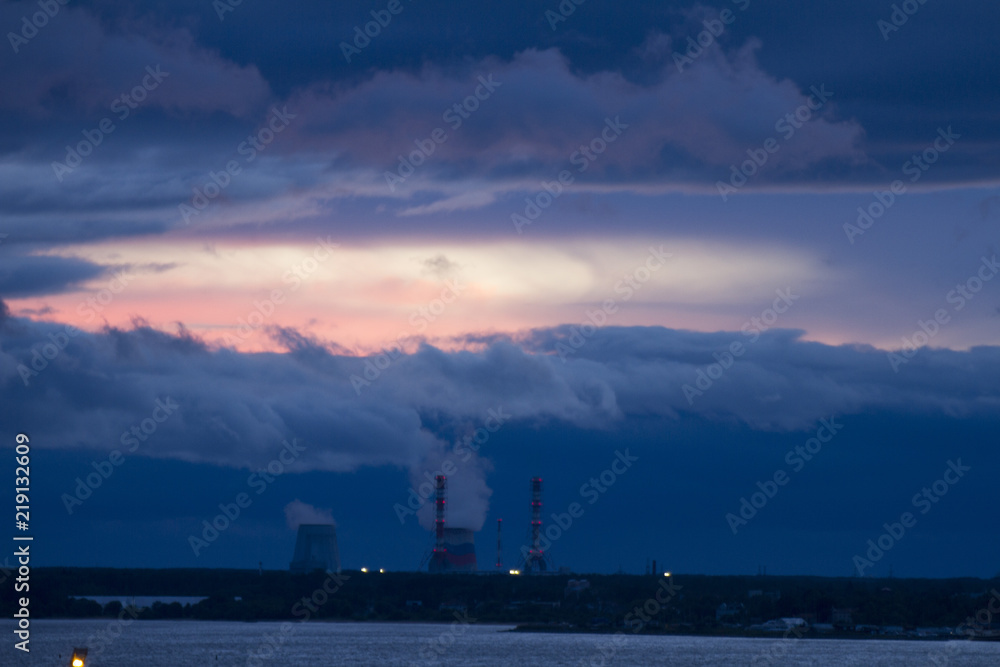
[(722, 274)]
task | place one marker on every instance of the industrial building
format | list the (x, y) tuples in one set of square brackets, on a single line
[(316, 549), (459, 552)]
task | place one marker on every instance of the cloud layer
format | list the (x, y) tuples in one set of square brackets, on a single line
[(236, 409)]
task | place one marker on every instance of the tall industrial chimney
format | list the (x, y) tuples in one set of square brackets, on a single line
[(440, 556), (536, 557), (499, 544)]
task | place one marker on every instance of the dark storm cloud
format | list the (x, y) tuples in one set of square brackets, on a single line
[(35, 275), (534, 114), (75, 228), (889, 98), (941, 48), (536, 118), (234, 408), (778, 381), (77, 64)]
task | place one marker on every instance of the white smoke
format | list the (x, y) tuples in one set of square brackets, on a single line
[(467, 494), (298, 513)]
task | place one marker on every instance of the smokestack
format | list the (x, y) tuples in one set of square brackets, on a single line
[(439, 483), (536, 514), (499, 544), (536, 558), (439, 559)]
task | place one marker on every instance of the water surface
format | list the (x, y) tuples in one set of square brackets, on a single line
[(224, 643)]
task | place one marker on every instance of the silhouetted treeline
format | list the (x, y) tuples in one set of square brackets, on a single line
[(411, 596)]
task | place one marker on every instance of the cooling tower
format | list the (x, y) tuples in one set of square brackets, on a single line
[(459, 554), (316, 549)]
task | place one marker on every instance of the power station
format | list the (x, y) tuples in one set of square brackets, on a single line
[(454, 548)]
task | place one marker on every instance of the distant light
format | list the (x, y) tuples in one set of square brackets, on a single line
[(77, 662), (364, 569), (381, 570), (666, 574), (515, 572)]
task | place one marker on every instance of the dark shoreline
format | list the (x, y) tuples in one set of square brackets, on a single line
[(735, 634), (543, 629), (682, 605)]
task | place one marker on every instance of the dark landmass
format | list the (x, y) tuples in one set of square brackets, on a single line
[(685, 604)]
